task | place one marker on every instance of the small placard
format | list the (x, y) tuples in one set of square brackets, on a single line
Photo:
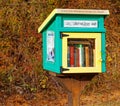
[(50, 46), (81, 23)]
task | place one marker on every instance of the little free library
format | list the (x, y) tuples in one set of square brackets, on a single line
[(74, 41)]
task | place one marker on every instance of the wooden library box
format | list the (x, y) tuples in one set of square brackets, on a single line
[(74, 41)]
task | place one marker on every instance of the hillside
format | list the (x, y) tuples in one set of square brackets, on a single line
[(22, 79)]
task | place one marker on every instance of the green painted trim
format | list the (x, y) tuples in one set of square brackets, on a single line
[(58, 43), (103, 51), (44, 47), (58, 50), (101, 22), (49, 68), (72, 12), (58, 22), (99, 19), (81, 30)]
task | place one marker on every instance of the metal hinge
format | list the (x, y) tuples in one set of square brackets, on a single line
[(63, 69), (63, 35)]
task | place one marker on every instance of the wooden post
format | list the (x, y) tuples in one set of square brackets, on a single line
[(74, 84)]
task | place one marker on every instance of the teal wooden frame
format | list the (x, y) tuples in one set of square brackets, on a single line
[(56, 25)]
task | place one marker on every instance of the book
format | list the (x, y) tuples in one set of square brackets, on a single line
[(81, 55), (91, 56), (77, 58), (71, 56), (87, 56), (68, 56)]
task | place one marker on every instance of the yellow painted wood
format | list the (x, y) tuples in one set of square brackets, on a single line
[(97, 68), (82, 11), (64, 53), (72, 11), (82, 70), (47, 20)]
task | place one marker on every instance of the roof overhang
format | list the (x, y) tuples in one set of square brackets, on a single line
[(71, 11)]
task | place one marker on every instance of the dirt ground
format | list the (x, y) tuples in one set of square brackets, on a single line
[(41, 99), (57, 95), (111, 98)]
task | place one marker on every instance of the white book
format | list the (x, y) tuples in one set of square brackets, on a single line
[(81, 55)]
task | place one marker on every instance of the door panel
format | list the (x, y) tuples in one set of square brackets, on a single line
[(81, 52)]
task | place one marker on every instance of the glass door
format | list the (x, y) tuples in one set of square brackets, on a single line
[(81, 52)]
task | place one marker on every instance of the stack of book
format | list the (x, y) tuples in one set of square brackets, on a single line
[(80, 55)]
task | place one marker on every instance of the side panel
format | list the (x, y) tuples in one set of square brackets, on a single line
[(103, 52), (53, 66)]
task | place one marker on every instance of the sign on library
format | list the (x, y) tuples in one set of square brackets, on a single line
[(80, 23), (50, 46)]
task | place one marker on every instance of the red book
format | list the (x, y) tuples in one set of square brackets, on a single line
[(71, 56)]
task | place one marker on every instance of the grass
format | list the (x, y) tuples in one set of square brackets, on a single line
[(109, 103)]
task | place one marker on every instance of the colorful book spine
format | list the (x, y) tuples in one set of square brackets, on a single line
[(87, 54), (91, 56), (68, 56), (72, 56), (81, 55), (78, 57), (75, 57)]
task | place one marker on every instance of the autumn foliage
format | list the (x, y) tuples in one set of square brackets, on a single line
[(21, 45)]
